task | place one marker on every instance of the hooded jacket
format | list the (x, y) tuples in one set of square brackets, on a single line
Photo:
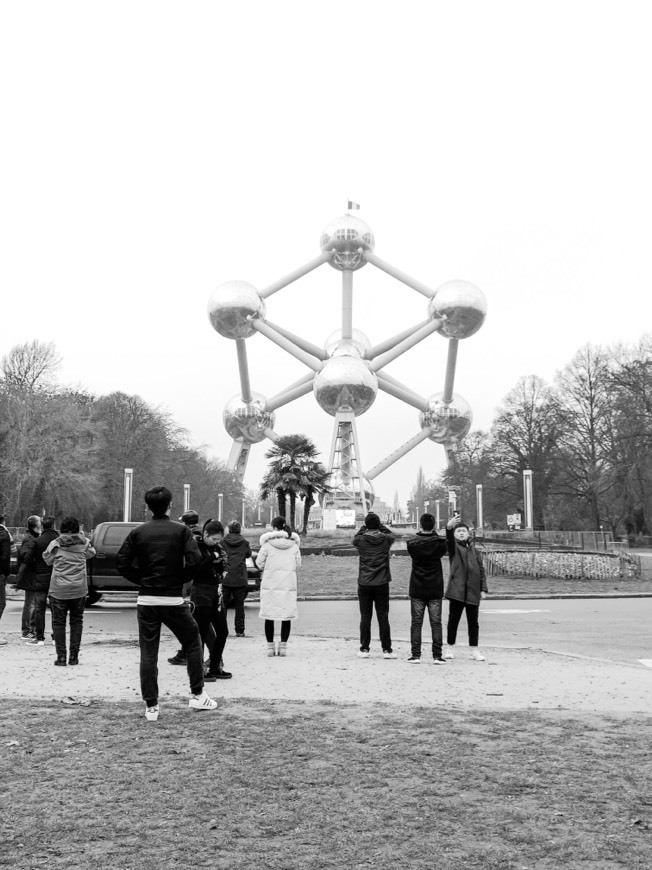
[(68, 554), (278, 559), (237, 552), (467, 578), (426, 578), (373, 545), (26, 571)]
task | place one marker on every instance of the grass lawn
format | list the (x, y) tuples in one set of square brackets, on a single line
[(299, 785)]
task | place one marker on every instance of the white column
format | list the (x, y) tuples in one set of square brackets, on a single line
[(220, 505), (478, 506), (186, 497), (128, 490), (527, 498), (437, 519)]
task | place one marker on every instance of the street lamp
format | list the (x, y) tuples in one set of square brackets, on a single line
[(220, 505)]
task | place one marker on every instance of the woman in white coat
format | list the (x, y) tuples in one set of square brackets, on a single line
[(278, 559)]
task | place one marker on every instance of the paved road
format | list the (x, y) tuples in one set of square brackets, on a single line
[(613, 629)]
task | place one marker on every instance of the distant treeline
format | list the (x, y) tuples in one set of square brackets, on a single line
[(587, 439), (64, 451)]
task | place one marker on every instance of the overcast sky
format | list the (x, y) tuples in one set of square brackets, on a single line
[(152, 151)]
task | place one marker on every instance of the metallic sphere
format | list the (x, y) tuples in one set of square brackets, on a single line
[(230, 305), (348, 238), (462, 306), (357, 345), (447, 424), (248, 420), (345, 383)]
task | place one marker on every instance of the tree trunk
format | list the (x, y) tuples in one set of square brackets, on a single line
[(280, 501)]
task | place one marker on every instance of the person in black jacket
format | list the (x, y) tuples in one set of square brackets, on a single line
[(467, 585), (41, 582), (373, 542), (26, 574), (206, 595), (154, 556), (5, 567), (426, 549), (234, 581)]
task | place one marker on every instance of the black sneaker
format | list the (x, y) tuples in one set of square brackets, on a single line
[(240, 634), (438, 660), (415, 660), (178, 659)]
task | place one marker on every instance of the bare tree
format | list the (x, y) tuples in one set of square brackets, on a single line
[(31, 366)]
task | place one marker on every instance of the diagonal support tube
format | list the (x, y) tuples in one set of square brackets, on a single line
[(294, 276), (447, 398), (397, 454), (266, 330), (290, 393), (389, 343), (406, 344), (399, 275), (393, 388), (310, 348), (243, 368)]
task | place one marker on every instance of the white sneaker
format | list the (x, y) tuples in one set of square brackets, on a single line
[(363, 654), (151, 713), (271, 651), (389, 655), (282, 648), (476, 655), (449, 653), (202, 702)]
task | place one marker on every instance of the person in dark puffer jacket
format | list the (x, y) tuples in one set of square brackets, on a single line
[(41, 581), (234, 581), (373, 542), (26, 574), (426, 590)]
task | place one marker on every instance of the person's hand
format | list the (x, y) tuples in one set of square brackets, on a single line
[(483, 595), (454, 521)]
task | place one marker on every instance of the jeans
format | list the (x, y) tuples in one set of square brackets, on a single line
[(455, 609), (235, 596), (208, 617), (286, 625), (179, 620), (417, 611), (60, 608), (368, 596), (26, 617), (37, 622)]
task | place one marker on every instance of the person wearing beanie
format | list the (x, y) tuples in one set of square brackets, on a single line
[(467, 585), (373, 542), (234, 581)]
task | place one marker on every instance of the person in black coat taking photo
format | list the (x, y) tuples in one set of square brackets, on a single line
[(426, 590), (467, 585), (373, 542)]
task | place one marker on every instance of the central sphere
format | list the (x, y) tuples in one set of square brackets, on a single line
[(348, 238), (231, 306), (345, 383), (248, 420), (357, 345)]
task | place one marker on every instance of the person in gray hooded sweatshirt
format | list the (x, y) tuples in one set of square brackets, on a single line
[(373, 542), (68, 587)]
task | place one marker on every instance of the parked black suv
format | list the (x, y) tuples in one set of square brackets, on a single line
[(103, 576)]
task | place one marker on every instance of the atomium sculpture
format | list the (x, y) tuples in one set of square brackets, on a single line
[(347, 372)]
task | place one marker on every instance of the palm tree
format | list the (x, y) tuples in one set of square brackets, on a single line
[(294, 473)]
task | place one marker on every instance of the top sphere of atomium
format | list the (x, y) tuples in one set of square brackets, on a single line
[(461, 305), (345, 383), (347, 238), (447, 422), (248, 420), (231, 307)]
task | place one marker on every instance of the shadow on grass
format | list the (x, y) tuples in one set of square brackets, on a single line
[(309, 785)]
